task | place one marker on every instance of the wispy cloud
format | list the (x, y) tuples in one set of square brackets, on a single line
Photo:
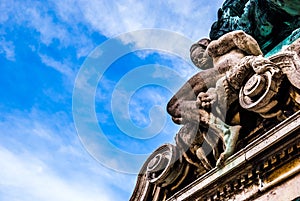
[(60, 25), (41, 156), (65, 173), (181, 67), (184, 17), (26, 176), (143, 101), (45, 24), (62, 67), (8, 49)]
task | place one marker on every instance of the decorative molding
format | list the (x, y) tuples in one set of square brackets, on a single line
[(246, 173)]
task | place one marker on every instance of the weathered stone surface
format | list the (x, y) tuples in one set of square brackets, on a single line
[(267, 87), (197, 111), (262, 170), (229, 145)]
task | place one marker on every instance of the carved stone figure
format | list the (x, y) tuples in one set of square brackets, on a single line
[(269, 87), (191, 107), (238, 95), (260, 84)]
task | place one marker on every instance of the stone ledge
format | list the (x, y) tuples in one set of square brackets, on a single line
[(244, 169)]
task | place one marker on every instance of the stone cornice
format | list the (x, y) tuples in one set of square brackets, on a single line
[(251, 170)]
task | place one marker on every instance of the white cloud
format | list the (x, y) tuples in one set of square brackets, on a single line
[(27, 176), (41, 158), (105, 87), (188, 17), (179, 66), (143, 101), (159, 40), (8, 49), (56, 96), (60, 25), (40, 155), (192, 19), (5, 9), (45, 25), (120, 102), (62, 67)]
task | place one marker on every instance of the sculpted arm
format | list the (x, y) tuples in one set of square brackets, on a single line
[(234, 40), (185, 100)]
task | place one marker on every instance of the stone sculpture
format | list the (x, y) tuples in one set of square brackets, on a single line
[(238, 95), (191, 106)]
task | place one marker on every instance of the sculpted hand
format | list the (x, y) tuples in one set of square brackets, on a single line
[(206, 100), (190, 112)]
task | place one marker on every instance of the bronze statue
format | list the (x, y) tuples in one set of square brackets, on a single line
[(268, 21)]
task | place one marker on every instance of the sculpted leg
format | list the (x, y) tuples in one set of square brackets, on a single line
[(202, 157), (229, 135)]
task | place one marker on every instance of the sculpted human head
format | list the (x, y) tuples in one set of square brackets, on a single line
[(199, 55)]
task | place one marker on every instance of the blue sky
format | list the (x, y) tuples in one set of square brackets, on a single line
[(52, 61)]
